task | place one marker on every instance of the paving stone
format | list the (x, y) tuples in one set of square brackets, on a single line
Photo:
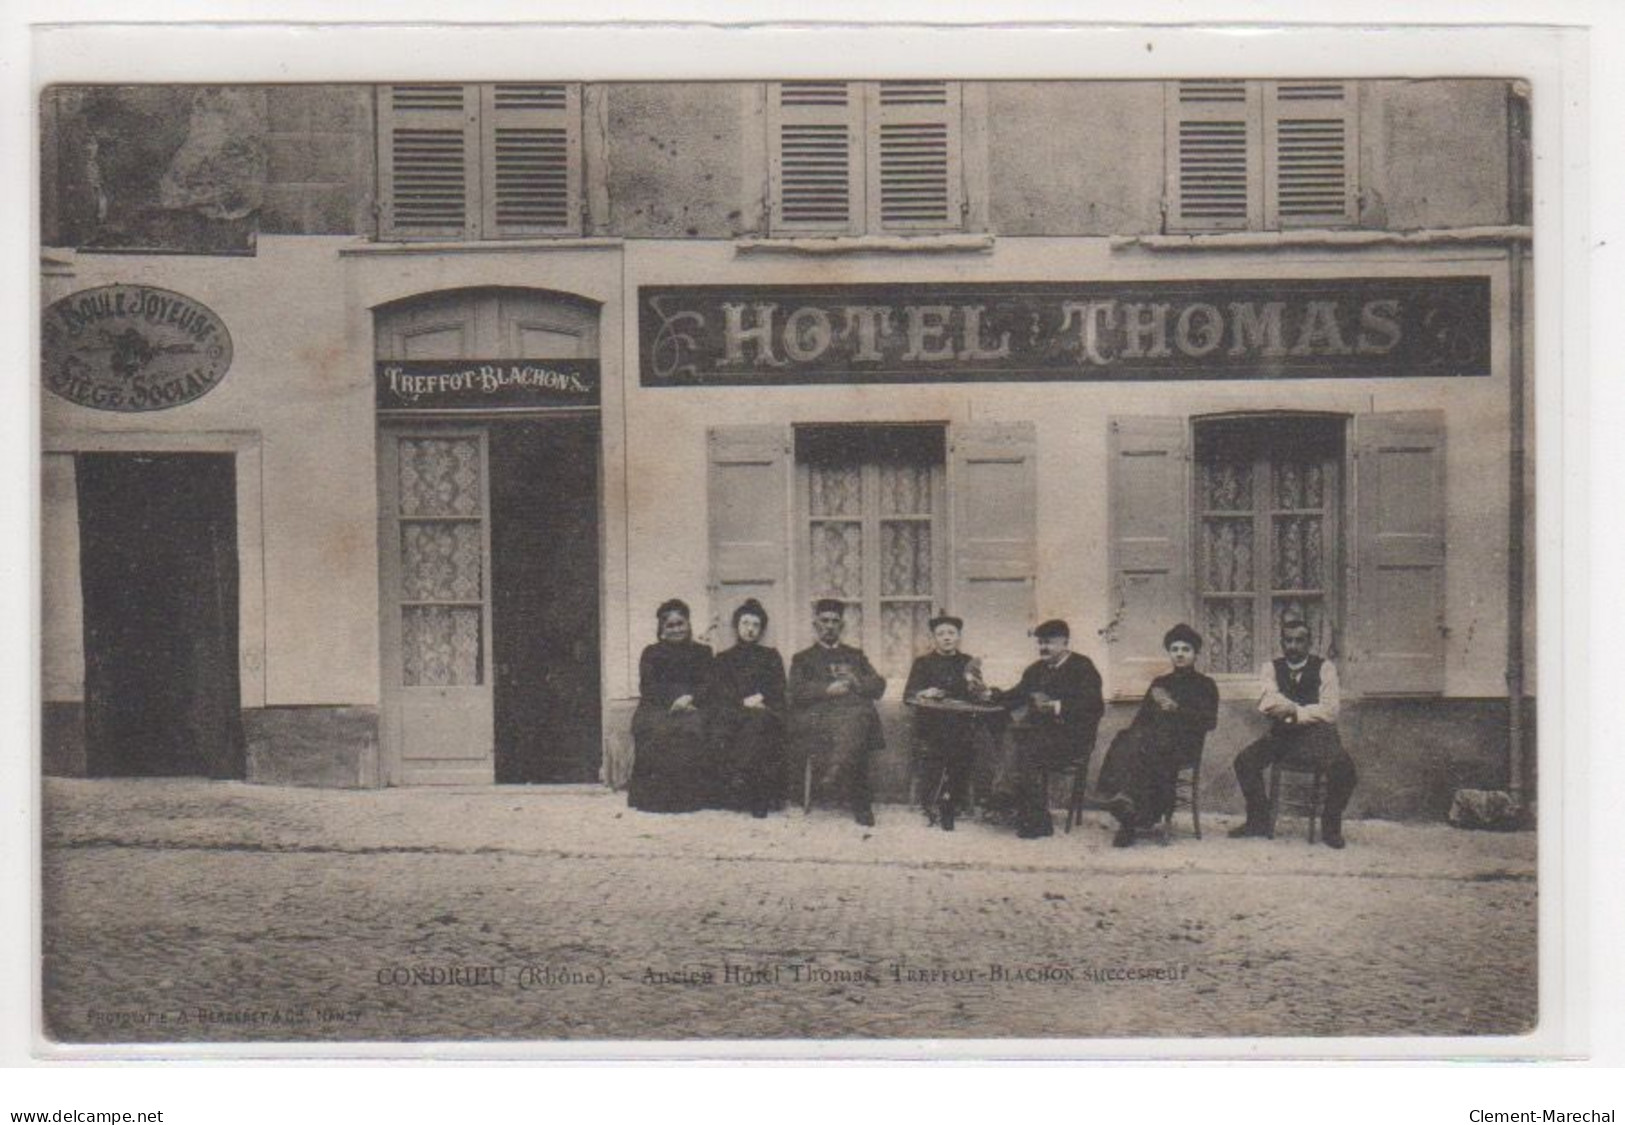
[(208, 911)]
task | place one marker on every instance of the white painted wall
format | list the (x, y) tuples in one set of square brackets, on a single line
[(296, 405), (665, 427), (299, 393)]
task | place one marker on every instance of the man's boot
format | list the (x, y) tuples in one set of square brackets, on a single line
[(946, 816), (1121, 806), (1256, 824)]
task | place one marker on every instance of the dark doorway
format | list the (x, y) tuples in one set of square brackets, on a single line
[(544, 599), (158, 543)]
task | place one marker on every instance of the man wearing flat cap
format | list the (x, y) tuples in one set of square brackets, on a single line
[(833, 718), (1057, 707), (1142, 765), (946, 739)]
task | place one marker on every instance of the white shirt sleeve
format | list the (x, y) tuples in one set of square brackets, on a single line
[(1268, 694), (1331, 698)]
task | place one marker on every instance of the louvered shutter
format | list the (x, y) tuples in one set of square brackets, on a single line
[(1309, 174), (1149, 546), (531, 159), (749, 497), (1398, 596), (914, 158), (429, 161), (1215, 166), (814, 134), (994, 484)]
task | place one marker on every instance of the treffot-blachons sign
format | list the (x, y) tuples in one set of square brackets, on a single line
[(766, 335), (485, 384)]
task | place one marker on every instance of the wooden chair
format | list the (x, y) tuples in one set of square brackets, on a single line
[(1295, 801), (1187, 795), (1077, 799)]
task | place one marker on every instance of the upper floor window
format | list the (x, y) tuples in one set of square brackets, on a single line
[(495, 160), (1261, 155), (866, 157)]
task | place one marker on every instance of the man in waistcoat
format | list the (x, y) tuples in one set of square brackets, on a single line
[(1300, 695)]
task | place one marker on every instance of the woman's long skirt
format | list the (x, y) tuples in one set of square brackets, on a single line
[(751, 750), (1142, 763), (671, 766)]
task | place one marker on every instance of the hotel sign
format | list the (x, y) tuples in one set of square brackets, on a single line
[(1348, 328), (132, 348), (485, 384)]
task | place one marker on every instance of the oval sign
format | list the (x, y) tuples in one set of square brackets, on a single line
[(131, 348)]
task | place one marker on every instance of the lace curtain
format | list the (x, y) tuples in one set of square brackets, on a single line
[(442, 556), (892, 502), (1289, 570)]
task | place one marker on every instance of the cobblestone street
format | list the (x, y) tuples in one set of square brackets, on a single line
[(202, 911)]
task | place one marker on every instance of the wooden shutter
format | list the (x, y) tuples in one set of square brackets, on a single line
[(1214, 160), (814, 130), (1309, 178), (429, 161), (1398, 594), (993, 482), (914, 162), (1149, 549), (531, 159), (749, 491)]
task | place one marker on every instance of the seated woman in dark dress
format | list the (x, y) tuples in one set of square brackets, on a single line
[(671, 767), (748, 716), (1137, 778)]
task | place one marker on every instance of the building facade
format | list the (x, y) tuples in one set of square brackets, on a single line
[(377, 420)]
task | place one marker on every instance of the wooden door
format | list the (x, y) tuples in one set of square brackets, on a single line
[(435, 541), (159, 574)]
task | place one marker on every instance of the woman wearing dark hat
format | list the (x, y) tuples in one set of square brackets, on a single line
[(1143, 762), (748, 687), (671, 769), (946, 740)]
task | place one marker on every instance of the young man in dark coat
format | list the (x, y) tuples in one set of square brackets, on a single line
[(833, 718), (947, 740), (1300, 694), (1138, 777), (1057, 708)]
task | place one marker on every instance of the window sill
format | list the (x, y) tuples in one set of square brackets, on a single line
[(1333, 239), (867, 244), (490, 246)]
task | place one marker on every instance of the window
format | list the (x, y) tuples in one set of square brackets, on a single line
[(1254, 155), (1268, 504), (865, 157), (500, 160), (870, 523), (872, 502), (1231, 523)]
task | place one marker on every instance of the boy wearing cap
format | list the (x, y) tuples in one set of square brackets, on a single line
[(832, 692), (1059, 706), (1137, 779), (947, 740)]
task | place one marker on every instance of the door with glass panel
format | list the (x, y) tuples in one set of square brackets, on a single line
[(436, 545)]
